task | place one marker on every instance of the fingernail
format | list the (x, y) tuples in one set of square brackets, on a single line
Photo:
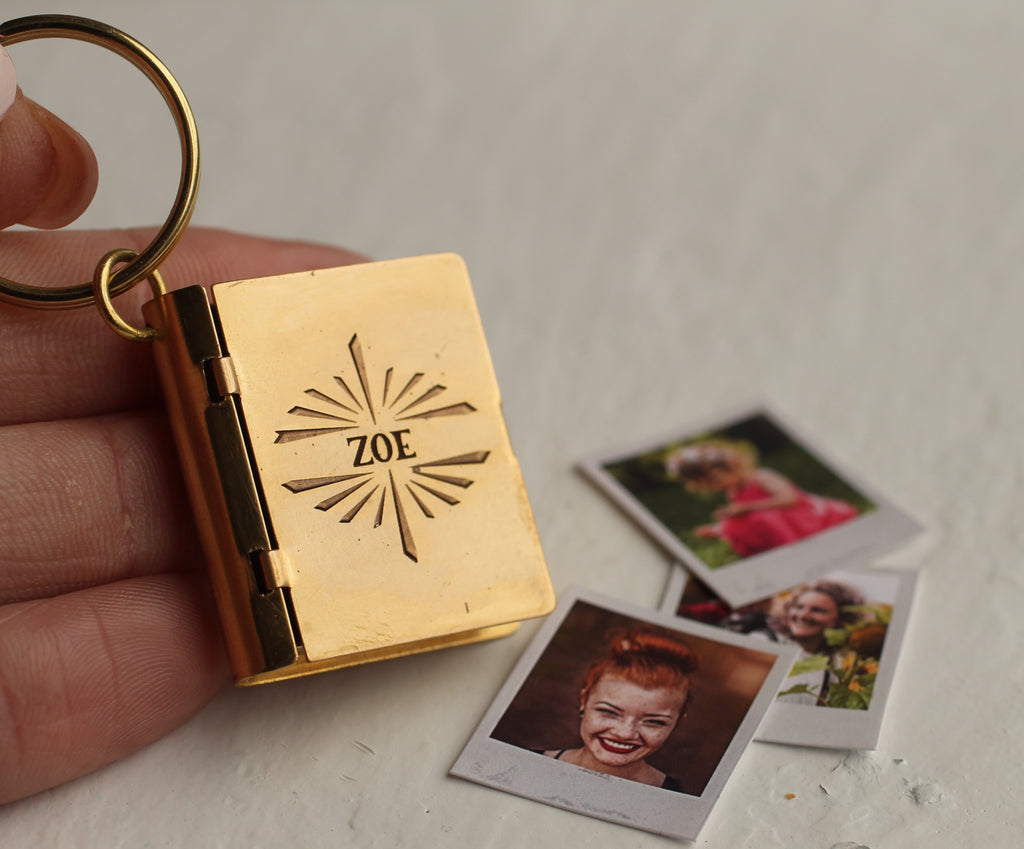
[(8, 82)]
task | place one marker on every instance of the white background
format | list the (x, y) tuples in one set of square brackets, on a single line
[(668, 208)]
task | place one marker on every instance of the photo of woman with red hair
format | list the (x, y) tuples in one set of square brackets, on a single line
[(630, 703), (627, 698), (624, 714)]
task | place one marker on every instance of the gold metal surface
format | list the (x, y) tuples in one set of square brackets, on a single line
[(147, 260), (101, 291), (217, 473), (392, 513)]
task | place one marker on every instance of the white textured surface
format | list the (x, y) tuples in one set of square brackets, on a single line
[(667, 208)]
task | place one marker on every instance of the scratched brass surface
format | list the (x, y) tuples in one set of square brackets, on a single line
[(304, 666), (375, 423)]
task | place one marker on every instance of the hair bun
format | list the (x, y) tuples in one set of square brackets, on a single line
[(654, 647), (644, 656)]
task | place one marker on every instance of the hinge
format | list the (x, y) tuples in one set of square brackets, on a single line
[(272, 566), (204, 404), (221, 380)]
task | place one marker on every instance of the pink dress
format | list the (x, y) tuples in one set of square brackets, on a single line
[(762, 530)]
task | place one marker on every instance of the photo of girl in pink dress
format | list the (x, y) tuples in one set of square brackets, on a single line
[(764, 509), (733, 492)]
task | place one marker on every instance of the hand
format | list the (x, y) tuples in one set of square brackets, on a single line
[(108, 639), (726, 511)]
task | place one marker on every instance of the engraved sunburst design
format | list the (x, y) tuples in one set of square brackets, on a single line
[(380, 437)]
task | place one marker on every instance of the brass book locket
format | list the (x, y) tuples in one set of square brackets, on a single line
[(341, 437), (351, 476)]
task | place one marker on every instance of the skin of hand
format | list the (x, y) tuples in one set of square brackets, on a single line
[(728, 510), (108, 636)]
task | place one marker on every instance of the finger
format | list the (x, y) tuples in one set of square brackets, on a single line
[(91, 676), (8, 82), (90, 501), (69, 363), (48, 172)]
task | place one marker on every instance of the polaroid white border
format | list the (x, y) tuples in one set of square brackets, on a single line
[(504, 766), (764, 574), (828, 727)]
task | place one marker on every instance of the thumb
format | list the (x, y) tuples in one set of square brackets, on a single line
[(48, 172)]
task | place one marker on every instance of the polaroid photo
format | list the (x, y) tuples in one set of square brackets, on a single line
[(627, 715), (848, 627), (748, 505)]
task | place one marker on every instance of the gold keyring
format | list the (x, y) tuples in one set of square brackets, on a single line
[(146, 261), (101, 290)]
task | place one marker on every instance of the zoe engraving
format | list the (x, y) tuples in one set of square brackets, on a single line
[(380, 447)]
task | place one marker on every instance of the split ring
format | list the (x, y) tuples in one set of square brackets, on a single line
[(143, 264), (102, 292)]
